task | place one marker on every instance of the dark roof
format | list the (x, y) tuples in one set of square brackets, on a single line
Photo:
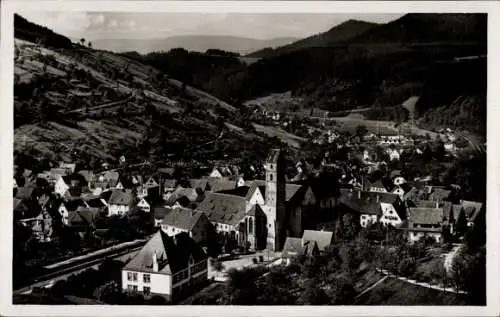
[(431, 216), (120, 197), (81, 217), (255, 210), (323, 238), (439, 194), (241, 191), (292, 247), (25, 192), (179, 193), (222, 184), (172, 254), (182, 218), (223, 208), (166, 170), (376, 184), (426, 204), (160, 212), (395, 173), (292, 190), (72, 205)]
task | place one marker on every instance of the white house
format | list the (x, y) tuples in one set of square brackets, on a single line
[(120, 202), (398, 190), (215, 173), (144, 205), (377, 187), (165, 266), (389, 215), (61, 186), (393, 154), (63, 211)]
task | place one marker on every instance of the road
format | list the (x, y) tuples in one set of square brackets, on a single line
[(427, 285)]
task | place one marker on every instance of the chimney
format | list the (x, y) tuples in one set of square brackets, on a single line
[(155, 262)]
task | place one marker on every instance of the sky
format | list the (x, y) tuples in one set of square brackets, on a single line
[(132, 25)]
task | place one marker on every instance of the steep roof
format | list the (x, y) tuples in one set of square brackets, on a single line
[(160, 212), (223, 208), (291, 190), (88, 175), (431, 216), (292, 247), (253, 188), (120, 197), (172, 253), (182, 218), (200, 183), (322, 238)]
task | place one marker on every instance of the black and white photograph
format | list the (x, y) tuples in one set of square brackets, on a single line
[(248, 158)]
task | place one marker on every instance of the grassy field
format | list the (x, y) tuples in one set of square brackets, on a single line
[(290, 139)]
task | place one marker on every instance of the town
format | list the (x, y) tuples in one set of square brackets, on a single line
[(131, 187), (222, 221)]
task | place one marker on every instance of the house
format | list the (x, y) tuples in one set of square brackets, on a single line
[(166, 266), (183, 196), (377, 187), (398, 180), (474, 212), (120, 202), (63, 211), (297, 246), (62, 185), (425, 222), (144, 205), (195, 223), (69, 167), (323, 239), (401, 190), (26, 193), (82, 219), (151, 183), (393, 154), (159, 215), (200, 184), (89, 177), (439, 194), (390, 215), (169, 185)]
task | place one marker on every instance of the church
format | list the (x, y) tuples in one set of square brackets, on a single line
[(261, 214)]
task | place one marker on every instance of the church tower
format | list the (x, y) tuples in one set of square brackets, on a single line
[(275, 196)]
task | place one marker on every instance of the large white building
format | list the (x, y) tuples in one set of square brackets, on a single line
[(166, 266)]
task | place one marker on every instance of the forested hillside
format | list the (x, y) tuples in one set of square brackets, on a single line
[(381, 68)]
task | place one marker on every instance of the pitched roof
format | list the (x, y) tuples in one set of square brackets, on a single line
[(471, 208), (120, 197), (110, 175), (172, 254), (182, 218), (291, 190), (166, 170), (88, 175), (170, 183), (222, 184), (376, 184), (292, 247), (200, 183), (322, 238), (439, 194), (25, 192), (426, 204), (253, 188), (189, 193), (431, 216), (241, 191), (160, 212), (223, 208)]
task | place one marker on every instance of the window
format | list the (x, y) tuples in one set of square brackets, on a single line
[(270, 177), (129, 276), (147, 278), (147, 290), (129, 287), (250, 225), (134, 277), (134, 287)]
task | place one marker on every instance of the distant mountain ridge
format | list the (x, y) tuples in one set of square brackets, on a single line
[(337, 34), (198, 43)]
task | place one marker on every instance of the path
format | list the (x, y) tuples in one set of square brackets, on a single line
[(427, 285), (448, 259), (371, 287)]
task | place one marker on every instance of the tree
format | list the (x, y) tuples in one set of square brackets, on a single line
[(361, 131), (89, 44), (350, 226), (313, 294), (82, 41)]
